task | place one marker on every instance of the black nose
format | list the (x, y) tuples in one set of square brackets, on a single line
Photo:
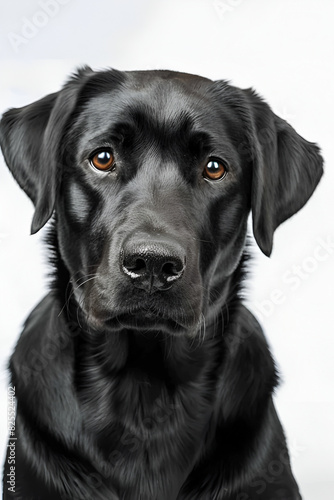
[(153, 263)]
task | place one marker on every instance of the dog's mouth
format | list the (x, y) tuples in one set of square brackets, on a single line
[(145, 320)]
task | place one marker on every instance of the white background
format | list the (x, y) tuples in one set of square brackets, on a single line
[(282, 48)]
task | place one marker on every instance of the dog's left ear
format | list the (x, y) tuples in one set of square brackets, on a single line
[(286, 171), (30, 138)]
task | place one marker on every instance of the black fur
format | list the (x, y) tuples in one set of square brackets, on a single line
[(141, 375)]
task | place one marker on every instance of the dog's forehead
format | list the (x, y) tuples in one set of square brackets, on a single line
[(163, 97)]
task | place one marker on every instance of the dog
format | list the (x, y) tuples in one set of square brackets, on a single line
[(141, 375)]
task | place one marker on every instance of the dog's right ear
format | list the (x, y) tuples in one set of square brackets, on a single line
[(30, 139)]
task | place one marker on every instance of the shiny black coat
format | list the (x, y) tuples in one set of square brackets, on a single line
[(142, 375)]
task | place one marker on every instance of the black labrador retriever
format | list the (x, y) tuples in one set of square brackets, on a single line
[(142, 375)]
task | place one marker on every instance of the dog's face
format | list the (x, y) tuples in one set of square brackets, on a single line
[(152, 176), (154, 187)]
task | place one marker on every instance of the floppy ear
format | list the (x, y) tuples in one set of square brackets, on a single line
[(30, 139), (286, 171)]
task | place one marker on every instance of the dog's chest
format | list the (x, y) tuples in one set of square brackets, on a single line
[(145, 423)]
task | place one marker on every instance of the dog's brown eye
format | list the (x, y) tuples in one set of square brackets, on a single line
[(214, 170), (102, 160)]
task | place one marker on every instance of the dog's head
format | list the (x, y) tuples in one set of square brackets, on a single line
[(152, 176)]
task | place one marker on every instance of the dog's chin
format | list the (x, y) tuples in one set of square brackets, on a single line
[(146, 323), (142, 321)]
